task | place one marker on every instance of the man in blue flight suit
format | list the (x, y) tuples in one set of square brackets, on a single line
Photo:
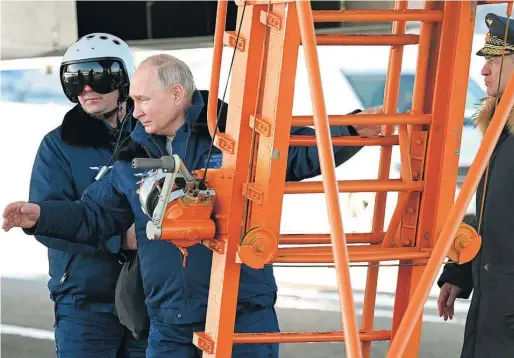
[(172, 118), (83, 277)]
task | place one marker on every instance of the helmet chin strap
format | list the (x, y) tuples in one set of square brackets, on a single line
[(107, 114)]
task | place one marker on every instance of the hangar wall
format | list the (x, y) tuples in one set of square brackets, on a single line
[(30, 28), (39, 28)]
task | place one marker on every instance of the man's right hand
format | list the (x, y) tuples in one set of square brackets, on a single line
[(20, 214), (446, 300), (129, 241)]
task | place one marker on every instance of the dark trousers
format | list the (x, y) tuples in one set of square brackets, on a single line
[(87, 334), (175, 340)]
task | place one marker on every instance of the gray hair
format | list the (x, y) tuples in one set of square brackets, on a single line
[(172, 71)]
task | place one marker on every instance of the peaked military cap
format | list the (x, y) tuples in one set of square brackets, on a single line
[(494, 38)]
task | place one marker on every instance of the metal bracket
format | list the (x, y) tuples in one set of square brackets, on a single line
[(253, 194), (271, 20), (260, 126), (225, 144), (203, 342), (215, 245), (229, 39)]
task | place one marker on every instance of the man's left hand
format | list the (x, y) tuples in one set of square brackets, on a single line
[(371, 130)]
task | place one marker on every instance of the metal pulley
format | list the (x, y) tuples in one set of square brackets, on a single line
[(466, 244), (179, 211), (258, 247)]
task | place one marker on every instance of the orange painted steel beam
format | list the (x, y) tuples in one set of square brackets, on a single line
[(376, 15), (367, 40), (275, 100), (300, 141), (330, 186), (403, 198), (354, 186), (311, 239), (366, 119), (306, 337), (453, 220), (448, 102), (225, 273), (325, 256)]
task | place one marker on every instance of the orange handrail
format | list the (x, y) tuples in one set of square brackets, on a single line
[(293, 337), (367, 40), (354, 186), (326, 156), (365, 119), (221, 13), (300, 141), (376, 15), (453, 221)]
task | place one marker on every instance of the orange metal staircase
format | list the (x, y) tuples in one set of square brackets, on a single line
[(250, 185)]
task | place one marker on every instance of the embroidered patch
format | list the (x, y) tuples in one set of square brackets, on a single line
[(215, 161)]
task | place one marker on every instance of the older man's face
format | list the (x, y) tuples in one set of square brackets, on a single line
[(155, 107), (491, 72)]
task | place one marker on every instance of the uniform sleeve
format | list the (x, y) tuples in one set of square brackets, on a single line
[(51, 179), (101, 213), (458, 275), (303, 162)]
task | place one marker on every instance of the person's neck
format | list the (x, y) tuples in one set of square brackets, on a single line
[(112, 120), (175, 125)]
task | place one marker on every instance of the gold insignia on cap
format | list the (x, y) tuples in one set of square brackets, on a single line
[(489, 21)]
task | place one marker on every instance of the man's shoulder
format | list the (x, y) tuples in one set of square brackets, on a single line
[(52, 138)]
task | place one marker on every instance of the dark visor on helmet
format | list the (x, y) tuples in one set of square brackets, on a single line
[(102, 76)]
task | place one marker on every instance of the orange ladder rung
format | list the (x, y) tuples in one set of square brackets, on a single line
[(313, 239), (365, 119), (302, 141), (355, 186), (306, 337), (323, 254), (376, 15), (366, 40)]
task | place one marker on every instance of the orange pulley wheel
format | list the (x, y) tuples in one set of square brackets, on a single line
[(258, 247), (466, 244)]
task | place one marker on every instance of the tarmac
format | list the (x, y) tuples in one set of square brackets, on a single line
[(27, 322)]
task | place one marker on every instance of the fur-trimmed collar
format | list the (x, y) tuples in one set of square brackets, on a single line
[(485, 113), (80, 129)]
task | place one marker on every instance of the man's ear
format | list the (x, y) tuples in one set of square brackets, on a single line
[(178, 93)]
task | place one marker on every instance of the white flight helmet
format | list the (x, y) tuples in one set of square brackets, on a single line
[(100, 60)]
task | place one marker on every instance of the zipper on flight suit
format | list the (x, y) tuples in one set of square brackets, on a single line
[(67, 268)]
